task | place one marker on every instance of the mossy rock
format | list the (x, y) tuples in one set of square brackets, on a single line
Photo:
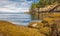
[(36, 25), (45, 30)]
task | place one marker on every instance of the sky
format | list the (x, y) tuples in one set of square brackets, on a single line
[(15, 5)]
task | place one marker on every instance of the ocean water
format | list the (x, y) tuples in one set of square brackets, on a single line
[(16, 18)]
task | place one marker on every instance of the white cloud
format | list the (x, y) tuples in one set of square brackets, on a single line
[(13, 9), (11, 6)]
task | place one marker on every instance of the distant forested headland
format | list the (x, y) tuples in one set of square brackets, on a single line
[(43, 3), (43, 6)]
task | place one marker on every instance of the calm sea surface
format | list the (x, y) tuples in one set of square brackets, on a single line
[(17, 18)]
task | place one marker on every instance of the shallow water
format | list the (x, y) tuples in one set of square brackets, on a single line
[(17, 18)]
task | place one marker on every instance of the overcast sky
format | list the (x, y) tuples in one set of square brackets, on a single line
[(15, 5)]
